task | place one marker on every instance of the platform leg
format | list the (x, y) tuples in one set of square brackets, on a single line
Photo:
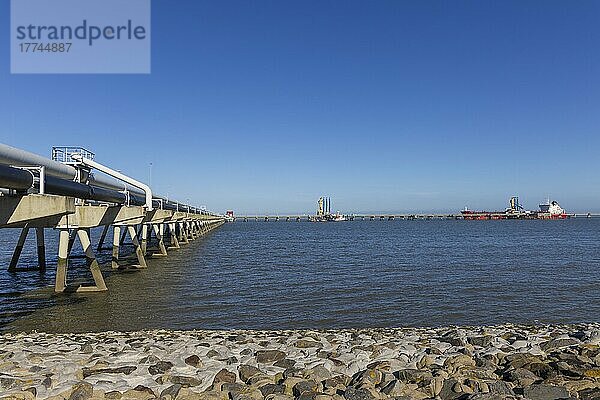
[(183, 232), (41, 248), (102, 237), (174, 240), (159, 232), (115, 248), (144, 238), (72, 236), (12, 267), (63, 254), (86, 244), (138, 248), (123, 236)]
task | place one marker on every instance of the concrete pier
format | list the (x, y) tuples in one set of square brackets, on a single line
[(74, 220)]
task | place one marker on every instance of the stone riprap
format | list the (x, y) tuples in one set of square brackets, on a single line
[(502, 362)]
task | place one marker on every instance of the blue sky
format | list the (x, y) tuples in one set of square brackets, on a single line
[(384, 106)]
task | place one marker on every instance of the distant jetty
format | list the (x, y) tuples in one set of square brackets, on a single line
[(475, 363)]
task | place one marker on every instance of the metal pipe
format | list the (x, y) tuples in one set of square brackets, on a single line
[(17, 157), (20, 158), (115, 174), (68, 188), (14, 178)]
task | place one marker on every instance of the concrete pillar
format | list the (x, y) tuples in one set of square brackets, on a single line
[(72, 235), (183, 232), (41, 248), (138, 248), (61, 269), (173, 232), (12, 267), (84, 238), (115, 248), (102, 237), (123, 236), (159, 232), (144, 238)]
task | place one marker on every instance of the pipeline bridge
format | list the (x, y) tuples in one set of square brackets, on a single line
[(73, 193), (379, 217)]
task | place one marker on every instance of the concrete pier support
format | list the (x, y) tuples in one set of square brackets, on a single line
[(86, 244), (116, 245), (138, 248), (144, 238), (65, 238), (12, 267), (60, 282), (72, 235), (123, 236), (41, 248), (183, 233), (173, 234), (102, 237), (159, 232)]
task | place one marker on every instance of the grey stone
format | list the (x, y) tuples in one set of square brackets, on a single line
[(185, 381), (414, 376), (448, 392), (501, 387), (47, 382), (489, 396), (194, 361), (285, 363), (318, 373), (160, 367), (371, 376), (82, 391), (113, 395), (305, 386), (213, 353), (558, 343), (271, 388), (144, 389), (224, 376), (233, 387), (542, 370), (521, 376), (151, 359), (358, 394), (120, 370), (307, 343), (269, 356), (545, 392), (86, 348), (589, 394), (247, 371), (171, 391), (481, 341)]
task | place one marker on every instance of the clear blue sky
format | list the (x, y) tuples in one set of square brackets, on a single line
[(385, 106)]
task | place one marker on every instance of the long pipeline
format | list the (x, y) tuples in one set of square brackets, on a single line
[(22, 180), (17, 157), (21, 158)]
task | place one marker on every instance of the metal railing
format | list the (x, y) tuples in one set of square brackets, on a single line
[(63, 154)]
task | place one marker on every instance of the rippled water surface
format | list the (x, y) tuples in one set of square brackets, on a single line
[(277, 275)]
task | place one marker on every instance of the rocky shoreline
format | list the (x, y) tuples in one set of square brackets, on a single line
[(500, 362)]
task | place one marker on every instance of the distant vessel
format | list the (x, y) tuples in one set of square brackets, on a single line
[(550, 210), (324, 212), (339, 217)]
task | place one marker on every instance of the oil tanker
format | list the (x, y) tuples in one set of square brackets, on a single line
[(548, 210)]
